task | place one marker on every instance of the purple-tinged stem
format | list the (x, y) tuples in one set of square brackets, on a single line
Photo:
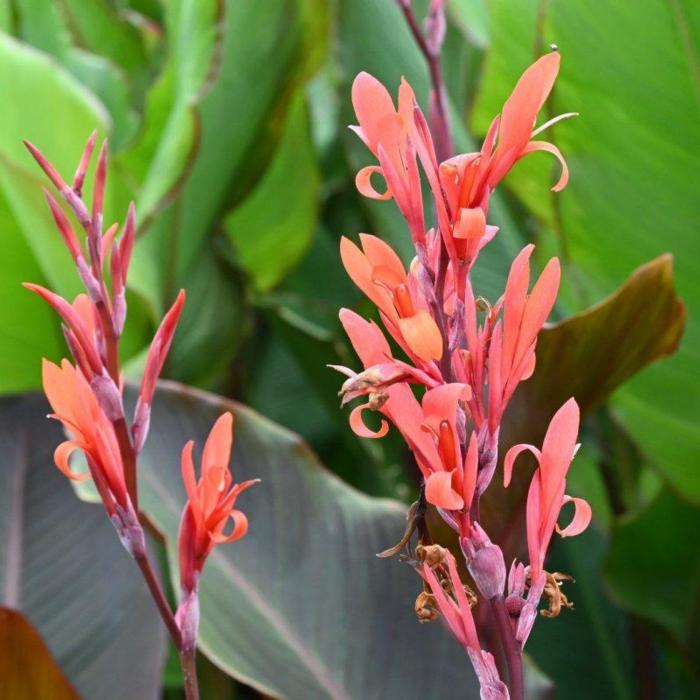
[(441, 126), (511, 647), (158, 596), (188, 662)]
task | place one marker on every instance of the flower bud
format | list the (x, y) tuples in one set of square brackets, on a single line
[(142, 422), (108, 396), (128, 527), (485, 562)]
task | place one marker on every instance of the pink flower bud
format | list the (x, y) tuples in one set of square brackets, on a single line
[(159, 348), (79, 177), (46, 166), (485, 562), (141, 424), (92, 286), (435, 27), (128, 527), (108, 396)]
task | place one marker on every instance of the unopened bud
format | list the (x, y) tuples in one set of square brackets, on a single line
[(92, 286), (435, 27), (108, 396), (119, 312), (129, 529), (142, 422), (485, 562)]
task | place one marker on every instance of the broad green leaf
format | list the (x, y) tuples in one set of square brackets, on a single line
[(27, 670), (167, 142), (209, 332), (101, 29), (45, 88), (268, 52), (472, 19), (28, 330), (634, 158), (300, 608), (274, 226), (653, 569), (62, 565), (48, 27)]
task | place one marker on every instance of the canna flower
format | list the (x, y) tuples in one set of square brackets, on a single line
[(431, 428), (385, 131), (75, 405), (210, 503), (512, 347), (378, 271), (157, 354), (546, 496)]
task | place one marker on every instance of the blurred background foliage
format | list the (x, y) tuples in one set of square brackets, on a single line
[(227, 124)]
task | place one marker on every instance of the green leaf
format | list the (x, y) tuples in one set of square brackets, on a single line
[(301, 608), (62, 565), (472, 19), (273, 227), (653, 570), (27, 668), (268, 52), (47, 27), (167, 142), (28, 330), (632, 194)]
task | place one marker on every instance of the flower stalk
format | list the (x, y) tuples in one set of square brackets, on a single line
[(87, 398), (457, 359)]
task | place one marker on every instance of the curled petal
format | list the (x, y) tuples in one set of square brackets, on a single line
[(62, 457), (422, 335), (439, 491), (363, 182), (581, 519), (240, 527), (512, 455), (359, 428), (534, 146)]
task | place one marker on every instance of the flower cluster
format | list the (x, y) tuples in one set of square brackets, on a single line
[(87, 397), (462, 358)]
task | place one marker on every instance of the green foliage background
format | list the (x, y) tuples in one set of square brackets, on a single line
[(227, 124)]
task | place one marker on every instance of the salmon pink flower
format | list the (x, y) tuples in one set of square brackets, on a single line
[(75, 405), (211, 501), (463, 357), (385, 131), (377, 270), (512, 347), (546, 496)]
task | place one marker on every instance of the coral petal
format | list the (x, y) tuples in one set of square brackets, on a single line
[(422, 335), (581, 519), (439, 491), (359, 428)]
